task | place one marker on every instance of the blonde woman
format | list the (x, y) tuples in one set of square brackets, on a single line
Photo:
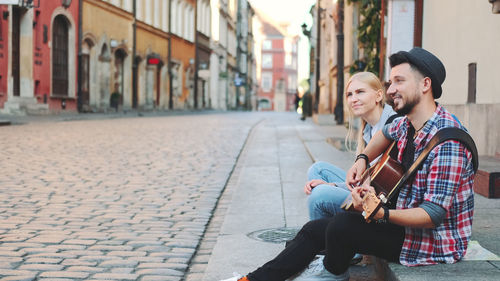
[(326, 186), (326, 183)]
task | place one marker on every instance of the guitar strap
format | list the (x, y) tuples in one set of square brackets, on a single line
[(451, 133)]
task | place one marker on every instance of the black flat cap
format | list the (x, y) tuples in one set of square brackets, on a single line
[(429, 65)]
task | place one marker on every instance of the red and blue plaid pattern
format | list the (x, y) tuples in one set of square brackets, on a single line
[(445, 179)]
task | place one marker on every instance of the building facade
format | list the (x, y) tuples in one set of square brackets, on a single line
[(183, 53), (203, 29), (106, 55), (277, 65), (472, 88), (38, 57), (150, 55)]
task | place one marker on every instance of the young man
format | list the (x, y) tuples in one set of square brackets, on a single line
[(432, 221)]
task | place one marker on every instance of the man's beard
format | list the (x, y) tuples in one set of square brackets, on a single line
[(408, 106)]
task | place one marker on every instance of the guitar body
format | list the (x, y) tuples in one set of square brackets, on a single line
[(386, 175), (383, 176)]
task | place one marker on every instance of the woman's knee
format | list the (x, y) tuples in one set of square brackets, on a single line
[(319, 193), (315, 169)]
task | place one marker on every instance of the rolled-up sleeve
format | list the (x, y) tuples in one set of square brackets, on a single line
[(448, 162)]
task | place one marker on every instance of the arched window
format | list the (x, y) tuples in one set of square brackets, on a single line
[(60, 56)]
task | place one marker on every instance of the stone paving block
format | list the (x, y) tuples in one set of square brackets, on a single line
[(114, 276), (122, 270), (65, 274), (92, 269), (42, 261), (160, 278), (18, 253), (80, 242), (41, 267), (78, 262), (118, 263), (159, 271), (18, 278)]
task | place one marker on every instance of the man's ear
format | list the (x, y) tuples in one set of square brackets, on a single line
[(426, 84)]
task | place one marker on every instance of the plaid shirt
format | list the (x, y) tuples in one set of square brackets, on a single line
[(445, 179)]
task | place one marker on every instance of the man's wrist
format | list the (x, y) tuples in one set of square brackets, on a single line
[(385, 215)]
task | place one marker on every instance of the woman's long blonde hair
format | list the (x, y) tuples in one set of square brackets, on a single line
[(371, 80)]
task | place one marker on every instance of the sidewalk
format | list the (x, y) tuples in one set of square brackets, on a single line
[(264, 205)]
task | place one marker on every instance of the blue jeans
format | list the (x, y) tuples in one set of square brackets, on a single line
[(325, 200)]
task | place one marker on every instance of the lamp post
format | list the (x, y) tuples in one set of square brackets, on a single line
[(318, 54), (339, 107)]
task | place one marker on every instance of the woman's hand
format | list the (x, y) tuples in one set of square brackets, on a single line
[(354, 173), (312, 184)]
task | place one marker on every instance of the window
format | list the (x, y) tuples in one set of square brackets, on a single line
[(288, 45), (267, 61), (267, 45), (471, 95), (264, 104), (288, 59), (165, 17), (60, 56), (174, 16), (38, 31), (292, 83), (267, 81), (157, 14), (280, 86)]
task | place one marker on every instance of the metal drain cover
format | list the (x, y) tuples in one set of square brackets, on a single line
[(274, 235)]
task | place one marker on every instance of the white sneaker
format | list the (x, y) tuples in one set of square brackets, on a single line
[(316, 271), (236, 277)]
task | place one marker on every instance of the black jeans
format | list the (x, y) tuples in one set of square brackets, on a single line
[(342, 236)]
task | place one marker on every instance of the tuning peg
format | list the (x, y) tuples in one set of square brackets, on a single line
[(382, 198)]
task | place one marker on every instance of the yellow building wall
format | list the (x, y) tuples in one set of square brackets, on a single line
[(153, 40), (102, 18)]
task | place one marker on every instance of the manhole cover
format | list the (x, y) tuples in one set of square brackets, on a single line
[(274, 235)]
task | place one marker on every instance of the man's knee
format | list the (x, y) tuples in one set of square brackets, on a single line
[(315, 229), (342, 225)]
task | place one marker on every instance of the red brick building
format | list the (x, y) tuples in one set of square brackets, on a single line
[(278, 67), (38, 57)]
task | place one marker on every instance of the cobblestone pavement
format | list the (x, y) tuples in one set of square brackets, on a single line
[(120, 199)]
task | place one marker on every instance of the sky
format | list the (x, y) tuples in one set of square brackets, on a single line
[(296, 12)]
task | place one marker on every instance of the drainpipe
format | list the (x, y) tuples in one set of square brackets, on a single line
[(196, 55), (79, 59), (169, 58), (318, 54), (134, 53), (339, 108)]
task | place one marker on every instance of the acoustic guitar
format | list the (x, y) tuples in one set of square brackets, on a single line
[(383, 176)]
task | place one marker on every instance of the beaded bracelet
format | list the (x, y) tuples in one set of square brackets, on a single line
[(365, 157)]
